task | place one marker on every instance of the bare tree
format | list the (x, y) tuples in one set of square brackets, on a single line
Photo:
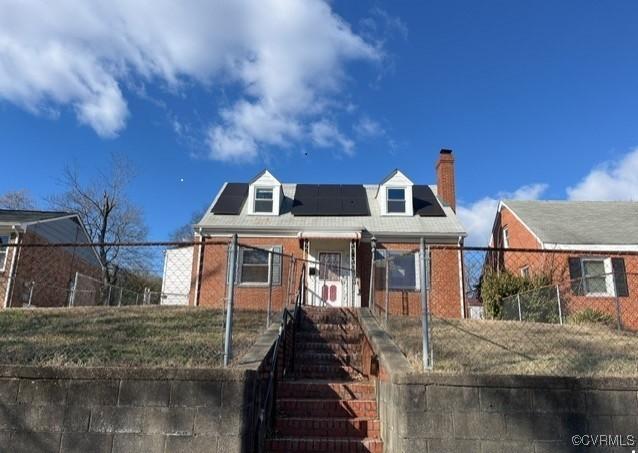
[(185, 232), (17, 199), (108, 214)]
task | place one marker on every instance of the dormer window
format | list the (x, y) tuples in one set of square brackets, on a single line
[(263, 200), (396, 201)]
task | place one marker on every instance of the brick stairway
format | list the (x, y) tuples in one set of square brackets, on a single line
[(327, 406)]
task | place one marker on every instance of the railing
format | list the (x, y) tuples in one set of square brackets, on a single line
[(287, 329)]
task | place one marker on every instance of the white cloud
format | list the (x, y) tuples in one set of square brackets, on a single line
[(326, 134), (478, 217), (286, 58), (616, 180), (368, 128)]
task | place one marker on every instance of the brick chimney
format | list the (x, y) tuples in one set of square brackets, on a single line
[(446, 189)]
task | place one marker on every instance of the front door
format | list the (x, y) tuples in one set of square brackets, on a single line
[(330, 287)]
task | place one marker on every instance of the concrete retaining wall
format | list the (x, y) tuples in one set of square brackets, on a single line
[(49, 411), (62, 410), (490, 414)]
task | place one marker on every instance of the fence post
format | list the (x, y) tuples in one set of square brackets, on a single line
[(108, 297), (119, 304), (518, 301), (73, 291), (560, 309), (230, 294), (373, 248), (269, 311), (31, 286), (618, 314), (425, 312)]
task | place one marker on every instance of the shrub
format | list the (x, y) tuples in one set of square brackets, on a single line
[(497, 286), (592, 316)]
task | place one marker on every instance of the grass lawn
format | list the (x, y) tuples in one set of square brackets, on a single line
[(511, 347), (124, 337)]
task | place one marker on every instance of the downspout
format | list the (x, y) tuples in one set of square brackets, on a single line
[(198, 275), (462, 279)]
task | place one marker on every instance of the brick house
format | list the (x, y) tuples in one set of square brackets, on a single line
[(589, 249), (43, 276), (329, 229)]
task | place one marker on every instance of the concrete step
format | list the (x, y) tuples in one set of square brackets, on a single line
[(318, 389), (328, 427), (326, 371), (320, 408), (324, 445)]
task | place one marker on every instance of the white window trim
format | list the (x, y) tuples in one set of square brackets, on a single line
[(405, 201), (523, 270), (609, 277), (6, 253), (271, 265), (417, 273), (254, 201)]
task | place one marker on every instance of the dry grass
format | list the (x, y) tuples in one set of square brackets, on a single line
[(511, 347), (123, 337)]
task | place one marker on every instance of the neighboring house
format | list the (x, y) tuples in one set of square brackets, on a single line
[(596, 244), (329, 229), (176, 278), (43, 276)]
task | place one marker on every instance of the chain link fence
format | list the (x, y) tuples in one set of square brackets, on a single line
[(512, 311), (162, 305)]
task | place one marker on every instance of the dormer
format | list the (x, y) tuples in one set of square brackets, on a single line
[(395, 195), (264, 195)]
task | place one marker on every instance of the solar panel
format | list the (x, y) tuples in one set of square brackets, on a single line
[(231, 199), (330, 200), (425, 203)]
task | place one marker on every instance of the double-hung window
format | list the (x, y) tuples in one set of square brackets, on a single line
[(4, 251), (259, 267), (598, 276), (396, 200), (597, 279), (263, 200)]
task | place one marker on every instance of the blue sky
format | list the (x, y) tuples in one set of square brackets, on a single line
[(537, 99)]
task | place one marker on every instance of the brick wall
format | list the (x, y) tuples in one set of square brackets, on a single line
[(445, 293), (212, 291), (50, 270)]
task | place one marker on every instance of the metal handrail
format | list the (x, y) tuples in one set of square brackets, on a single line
[(288, 317)]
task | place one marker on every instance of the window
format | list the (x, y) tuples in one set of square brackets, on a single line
[(258, 267), (396, 201), (525, 271), (263, 200), (506, 237), (4, 251), (595, 277), (403, 273)]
